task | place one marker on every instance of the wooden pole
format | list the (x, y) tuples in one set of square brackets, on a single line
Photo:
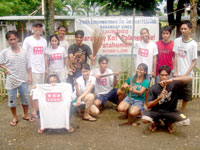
[(193, 17), (49, 18), (132, 48)]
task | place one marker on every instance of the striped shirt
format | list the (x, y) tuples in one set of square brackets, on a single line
[(17, 64)]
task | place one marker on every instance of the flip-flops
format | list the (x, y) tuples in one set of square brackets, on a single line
[(30, 119), (92, 119), (13, 122)]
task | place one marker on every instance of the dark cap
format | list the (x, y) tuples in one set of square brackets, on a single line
[(37, 23)]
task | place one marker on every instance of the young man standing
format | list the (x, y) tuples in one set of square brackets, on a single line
[(104, 84), (61, 35), (64, 43), (162, 100), (165, 51), (78, 54), (36, 47), (185, 49), (15, 61)]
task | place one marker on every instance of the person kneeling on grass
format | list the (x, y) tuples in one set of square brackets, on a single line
[(54, 103), (140, 85), (84, 86), (162, 101)]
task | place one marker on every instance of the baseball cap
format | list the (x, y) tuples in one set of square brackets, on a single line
[(37, 23)]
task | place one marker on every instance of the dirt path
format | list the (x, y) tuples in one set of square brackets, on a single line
[(105, 134)]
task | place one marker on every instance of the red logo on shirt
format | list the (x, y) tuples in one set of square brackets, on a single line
[(57, 56), (102, 81), (143, 52), (182, 53), (53, 97), (38, 50)]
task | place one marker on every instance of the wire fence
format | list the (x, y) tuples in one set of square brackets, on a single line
[(121, 79)]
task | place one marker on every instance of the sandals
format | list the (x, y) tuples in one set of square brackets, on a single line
[(14, 122), (92, 119), (29, 119)]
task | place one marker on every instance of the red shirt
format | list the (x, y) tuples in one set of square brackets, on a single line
[(165, 54)]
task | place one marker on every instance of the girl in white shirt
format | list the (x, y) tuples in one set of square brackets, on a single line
[(57, 59), (84, 86)]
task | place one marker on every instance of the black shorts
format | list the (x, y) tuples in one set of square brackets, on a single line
[(111, 96), (171, 116), (187, 92)]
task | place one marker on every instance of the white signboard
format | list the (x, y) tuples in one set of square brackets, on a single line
[(112, 45)]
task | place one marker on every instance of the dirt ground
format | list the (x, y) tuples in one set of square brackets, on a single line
[(104, 134)]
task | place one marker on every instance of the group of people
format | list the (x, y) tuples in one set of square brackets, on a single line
[(27, 67)]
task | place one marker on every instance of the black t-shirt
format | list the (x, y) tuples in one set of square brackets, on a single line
[(81, 52), (171, 99)]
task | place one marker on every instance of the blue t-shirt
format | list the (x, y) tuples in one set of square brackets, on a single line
[(138, 86)]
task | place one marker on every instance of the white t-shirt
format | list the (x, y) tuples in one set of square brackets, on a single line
[(64, 44), (56, 58), (36, 50), (145, 53), (54, 104), (17, 64), (186, 52), (105, 84), (82, 85)]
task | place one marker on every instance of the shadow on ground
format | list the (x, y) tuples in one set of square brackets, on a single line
[(105, 134)]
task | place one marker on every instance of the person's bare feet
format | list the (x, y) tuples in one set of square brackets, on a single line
[(71, 129), (153, 127), (170, 128), (14, 122), (40, 131)]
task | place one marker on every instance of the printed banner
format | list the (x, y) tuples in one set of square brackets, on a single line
[(104, 29)]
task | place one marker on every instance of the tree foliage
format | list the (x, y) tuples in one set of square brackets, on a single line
[(125, 7), (18, 7)]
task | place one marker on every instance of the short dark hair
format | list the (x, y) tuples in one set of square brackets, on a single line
[(79, 32), (85, 66), (9, 33), (102, 58), (144, 29), (54, 35), (62, 27), (188, 23), (166, 68), (166, 28), (55, 76)]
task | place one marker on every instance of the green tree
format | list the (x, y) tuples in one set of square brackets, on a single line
[(18, 7), (125, 7)]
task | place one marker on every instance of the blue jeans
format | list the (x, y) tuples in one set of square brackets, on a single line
[(133, 102), (24, 94)]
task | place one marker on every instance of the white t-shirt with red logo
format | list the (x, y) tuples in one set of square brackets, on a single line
[(82, 85), (54, 104), (105, 84), (36, 50), (56, 58), (145, 53), (186, 52)]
